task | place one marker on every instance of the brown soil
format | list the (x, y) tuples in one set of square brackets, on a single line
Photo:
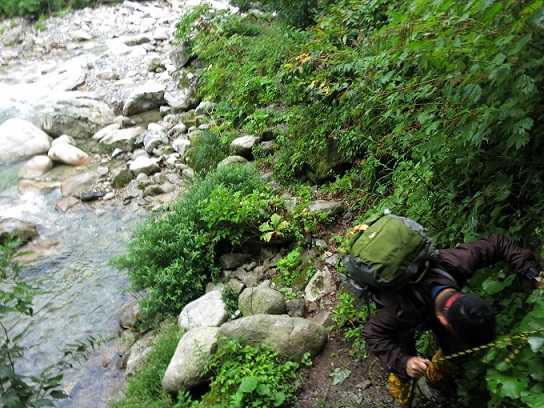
[(364, 387)]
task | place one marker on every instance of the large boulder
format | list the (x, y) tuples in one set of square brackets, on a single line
[(144, 164), (208, 310), (291, 337), (137, 356), (187, 369), (79, 114), (321, 284), (144, 98), (182, 97), (21, 139)]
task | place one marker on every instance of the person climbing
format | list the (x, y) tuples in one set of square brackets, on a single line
[(458, 320)]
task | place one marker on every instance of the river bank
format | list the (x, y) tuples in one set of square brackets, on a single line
[(97, 53)]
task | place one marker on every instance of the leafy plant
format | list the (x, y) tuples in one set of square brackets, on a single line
[(349, 316), (206, 151), (299, 14), (293, 271), (276, 227), (16, 298), (172, 253), (34, 8), (245, 375), (230, 298), (144, 387)]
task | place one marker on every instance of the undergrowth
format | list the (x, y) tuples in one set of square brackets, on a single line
[(432, 109), (144, 386)]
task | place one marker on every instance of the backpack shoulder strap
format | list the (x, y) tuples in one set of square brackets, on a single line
[(443, 273)]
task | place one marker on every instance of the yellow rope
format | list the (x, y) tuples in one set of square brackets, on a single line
[(506, 341)]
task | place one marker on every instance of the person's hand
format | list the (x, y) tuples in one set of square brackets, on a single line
[(416, 366), (539, 280)]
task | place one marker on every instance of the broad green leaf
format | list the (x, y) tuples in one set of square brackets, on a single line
[(536, 343), (6, 371), (10, 399), (491, 285), (534, 400), (58, 394), (506, 386), (471, 93), (249, 384), (263, 389), (279, 398)]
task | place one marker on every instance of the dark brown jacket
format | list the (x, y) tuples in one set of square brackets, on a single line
[(390, 332)]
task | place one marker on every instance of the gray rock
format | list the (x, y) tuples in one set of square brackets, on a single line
[(180, 56), (243, 146), (261, 300), (181, 98), (122, 178), (37, 166), (123, 139), (144, 98), (296, 307), (233, 260), (138, 353), (12, 227), (208, 310), (78, 114), (143, 164), (21, 139), (187, 369), (232, 160), (321, 284), (75, 186), (66, 203), (205, 107), (252, 277), (330, 208), (291, 337), (36, 187), (68, 154)]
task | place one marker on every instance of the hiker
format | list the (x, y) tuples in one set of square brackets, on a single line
[(458, 320)]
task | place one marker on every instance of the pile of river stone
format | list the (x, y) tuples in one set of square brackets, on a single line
[(93, 105)]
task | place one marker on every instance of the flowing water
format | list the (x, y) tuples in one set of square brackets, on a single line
[(80, 294)]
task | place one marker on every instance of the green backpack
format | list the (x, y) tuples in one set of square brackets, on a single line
[(387, 252)]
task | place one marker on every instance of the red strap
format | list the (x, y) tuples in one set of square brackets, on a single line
[(452, 299)]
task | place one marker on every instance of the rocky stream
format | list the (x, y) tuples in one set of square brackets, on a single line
[(87, 100)]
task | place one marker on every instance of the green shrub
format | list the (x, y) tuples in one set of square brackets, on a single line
[(172, 253), (144, 387), (243, 67), (292, 271), (206, 151), (296, 13), (350, 315), (36, 8), (244, 375)]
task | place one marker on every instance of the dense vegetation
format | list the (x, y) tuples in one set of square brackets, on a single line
[(433, 109), (39, 8), (430, 108)]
